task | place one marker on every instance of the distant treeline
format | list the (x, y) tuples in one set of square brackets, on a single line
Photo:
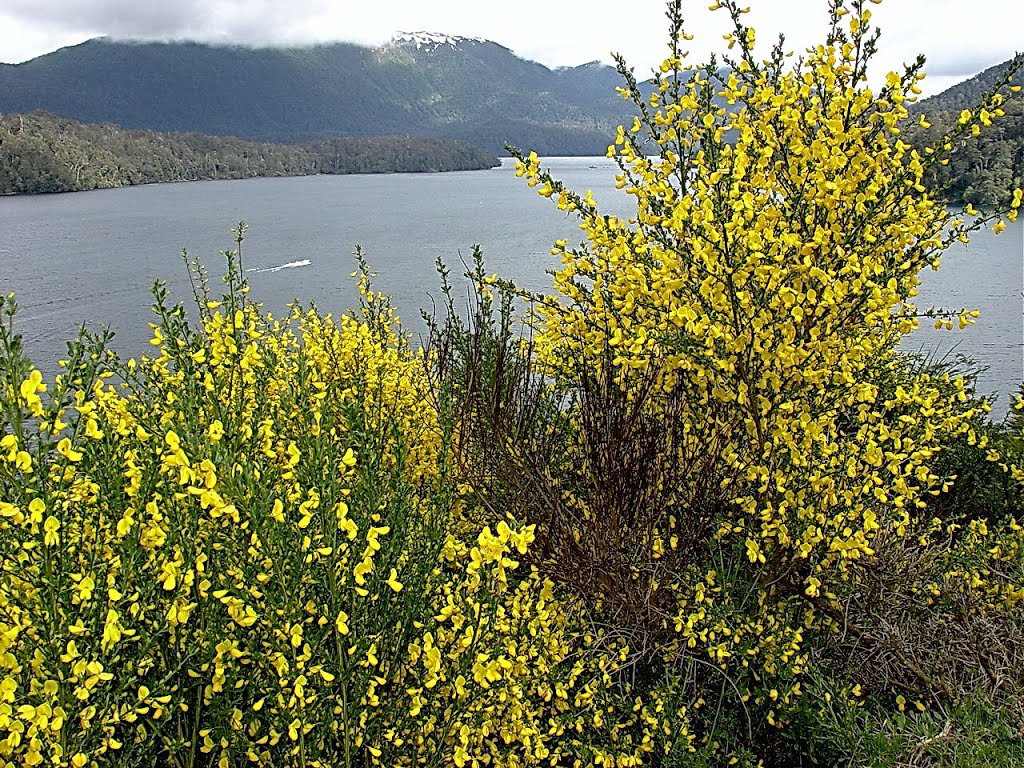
[(982, 170), (41, 152)]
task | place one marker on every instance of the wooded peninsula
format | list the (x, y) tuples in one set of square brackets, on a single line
[(41, 152)]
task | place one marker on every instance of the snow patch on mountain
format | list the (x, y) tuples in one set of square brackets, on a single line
[(428, 42)]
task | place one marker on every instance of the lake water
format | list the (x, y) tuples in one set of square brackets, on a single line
[(90, 257)]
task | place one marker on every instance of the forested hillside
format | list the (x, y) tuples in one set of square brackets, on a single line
[(982, 169), (423, 85), (40, 152)]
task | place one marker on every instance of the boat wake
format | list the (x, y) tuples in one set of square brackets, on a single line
[(279, 267)]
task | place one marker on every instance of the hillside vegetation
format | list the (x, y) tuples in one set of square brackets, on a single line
[(458, 88), (982, 168), (473, 90), (40, 152)]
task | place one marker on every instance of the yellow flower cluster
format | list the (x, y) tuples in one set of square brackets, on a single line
[(265, 544), (241, 554), (243, 551), (763, 285)]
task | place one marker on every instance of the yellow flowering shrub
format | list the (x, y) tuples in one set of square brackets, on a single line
[(698, 499), (745, 321), (249, 549), (241, 551)]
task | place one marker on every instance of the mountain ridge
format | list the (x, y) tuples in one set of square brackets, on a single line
[(418, 83), (967, 92), (427, 84), (983, 169)]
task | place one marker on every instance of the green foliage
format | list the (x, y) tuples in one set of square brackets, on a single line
[(982, 168), (976, 732), (40, 152)]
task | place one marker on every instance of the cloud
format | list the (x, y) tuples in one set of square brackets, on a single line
[(965, 64), (958, 43), (115, 17), (240, 20)]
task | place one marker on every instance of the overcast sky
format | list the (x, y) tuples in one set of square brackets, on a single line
[(959, 38)]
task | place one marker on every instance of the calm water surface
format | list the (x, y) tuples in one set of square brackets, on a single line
[(90, 257)]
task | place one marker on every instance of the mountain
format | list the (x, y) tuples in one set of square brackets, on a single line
[(417, 84), (983, 169), (966, 94)]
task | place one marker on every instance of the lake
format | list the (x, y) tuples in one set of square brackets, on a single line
[(90, 257)]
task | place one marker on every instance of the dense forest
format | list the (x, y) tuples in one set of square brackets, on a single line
[(982, 169), (40, 152)]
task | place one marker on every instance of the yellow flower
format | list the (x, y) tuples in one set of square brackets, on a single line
[(349, 459), (50, 527), (112, 630), (361, 571), (754, 553), (36, 508), (29, 389)]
